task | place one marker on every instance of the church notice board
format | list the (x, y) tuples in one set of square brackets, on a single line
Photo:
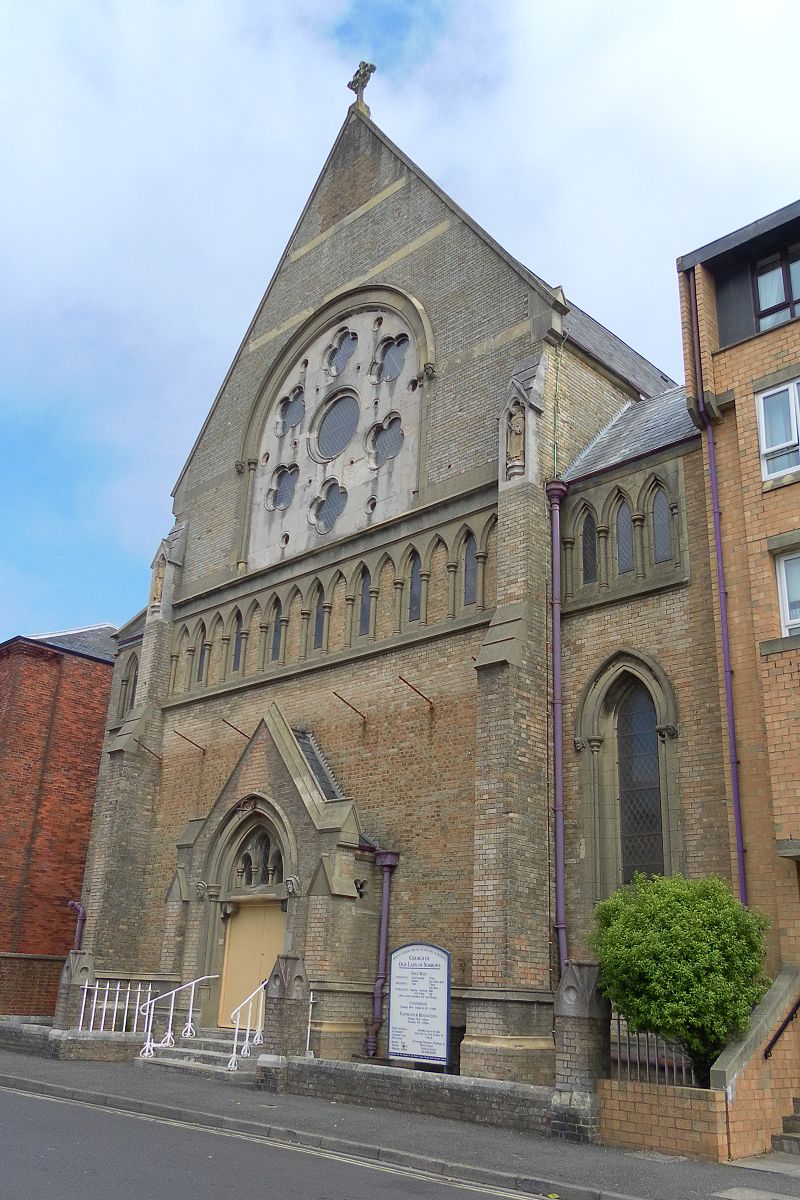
[(419, 1004)]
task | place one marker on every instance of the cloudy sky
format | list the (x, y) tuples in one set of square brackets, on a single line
[(157, 153)]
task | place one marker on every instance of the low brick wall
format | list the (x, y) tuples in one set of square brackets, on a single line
[(482, 1101), (29, 983), (28, 1037), (673, 1120), (760, 1091)]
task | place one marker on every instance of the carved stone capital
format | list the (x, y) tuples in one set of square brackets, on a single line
[(667, 731)]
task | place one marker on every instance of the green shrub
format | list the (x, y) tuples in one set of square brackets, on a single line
[(681, 958)]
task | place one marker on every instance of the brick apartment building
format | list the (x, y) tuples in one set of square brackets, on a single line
[(740, 304), (53, 704), (352, 683)]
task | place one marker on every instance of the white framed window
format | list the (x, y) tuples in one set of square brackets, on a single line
[(778, 421), (788, 566)]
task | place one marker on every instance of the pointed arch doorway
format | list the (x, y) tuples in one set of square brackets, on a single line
[(255, 925)]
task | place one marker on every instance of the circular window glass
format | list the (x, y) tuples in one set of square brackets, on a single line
[(293, 409), (337, 427)]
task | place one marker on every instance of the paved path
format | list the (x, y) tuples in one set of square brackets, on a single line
[(493, 1157)]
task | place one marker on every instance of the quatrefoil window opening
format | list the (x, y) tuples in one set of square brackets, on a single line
[(392, 359), (293, 409), (330, 507), (387, 440), (284, 482), (342, 352)]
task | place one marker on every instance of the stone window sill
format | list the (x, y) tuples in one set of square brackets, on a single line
[(779, 645)]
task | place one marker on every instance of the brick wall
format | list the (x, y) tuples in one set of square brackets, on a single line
[(29, 983), (673, 1120), (54, 707)]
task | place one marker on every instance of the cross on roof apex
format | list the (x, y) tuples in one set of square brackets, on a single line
[(358, 83)]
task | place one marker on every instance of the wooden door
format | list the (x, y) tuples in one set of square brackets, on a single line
[(253, 939)]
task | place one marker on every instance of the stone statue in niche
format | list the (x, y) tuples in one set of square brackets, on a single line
[(515, 440), (158, 579)]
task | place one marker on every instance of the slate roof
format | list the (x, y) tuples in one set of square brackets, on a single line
[(95, 641), (643, 427), (320, 768), (610, 350)]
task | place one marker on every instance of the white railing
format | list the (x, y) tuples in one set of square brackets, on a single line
[(256, 1026), (148, 1010), (113, 1005)]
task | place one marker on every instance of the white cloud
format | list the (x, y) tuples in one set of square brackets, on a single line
[(160, 153)]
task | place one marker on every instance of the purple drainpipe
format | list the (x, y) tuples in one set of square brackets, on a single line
[(387, 859), (556, 490), (723, 596), (81, 911)]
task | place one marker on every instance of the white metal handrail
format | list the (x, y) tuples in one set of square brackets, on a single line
[(257, 1027), (148, 1009), (111, 1005)]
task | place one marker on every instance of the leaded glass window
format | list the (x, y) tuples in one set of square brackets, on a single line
[(285, 483), (338, 426), (624, 539), (331, 507), (343, 352), (366, 602), (414, 588), (276, 632), (319, 621), (393, 360), (201, 656), (237, 643), (470, 570), (293, 409), (388, 442), (641, 836), (589, 549), (662, 533)]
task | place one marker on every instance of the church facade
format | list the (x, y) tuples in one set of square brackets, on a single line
[(343, 722)]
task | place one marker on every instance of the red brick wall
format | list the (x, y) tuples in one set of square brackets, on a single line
[(29, 983), (52, 714)]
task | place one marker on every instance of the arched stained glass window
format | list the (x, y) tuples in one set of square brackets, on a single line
[(624, 539), (319, 621), (641, 836), (662, 534), (470, 570), (366, 602), (201, 653), (589, 549), (237, 643), (276, 632), (388, 442), (393, 360), (414, 588)]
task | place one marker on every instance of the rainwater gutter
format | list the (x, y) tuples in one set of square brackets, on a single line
[(556, 490), (387, 860), (81, 911), (721, 590)]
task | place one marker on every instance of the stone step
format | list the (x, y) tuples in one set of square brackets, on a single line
[(245, 1074), (797, 1104), (791, 1124), (787, 1143)]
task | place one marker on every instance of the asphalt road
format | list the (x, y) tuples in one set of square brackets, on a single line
[(71, 1151)]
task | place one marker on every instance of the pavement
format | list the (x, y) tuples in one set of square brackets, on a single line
[(493, 1158)]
